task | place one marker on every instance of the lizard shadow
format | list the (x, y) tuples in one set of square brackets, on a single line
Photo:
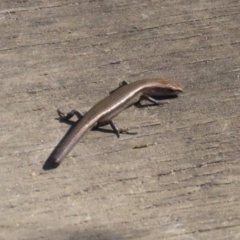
[(94, 234), (159, 99)]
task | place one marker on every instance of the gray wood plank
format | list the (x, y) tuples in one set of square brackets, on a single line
[(68, 55)]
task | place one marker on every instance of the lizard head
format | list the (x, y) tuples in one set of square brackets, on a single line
[(165, 88)]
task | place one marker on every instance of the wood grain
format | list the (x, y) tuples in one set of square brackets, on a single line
[(69, 55)]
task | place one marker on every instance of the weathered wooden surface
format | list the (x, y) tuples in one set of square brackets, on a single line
[(68, 55)]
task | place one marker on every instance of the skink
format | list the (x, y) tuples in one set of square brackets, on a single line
[(108, 108)]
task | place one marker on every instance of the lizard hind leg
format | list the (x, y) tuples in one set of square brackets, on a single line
[(65, 117), (116, 130)]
